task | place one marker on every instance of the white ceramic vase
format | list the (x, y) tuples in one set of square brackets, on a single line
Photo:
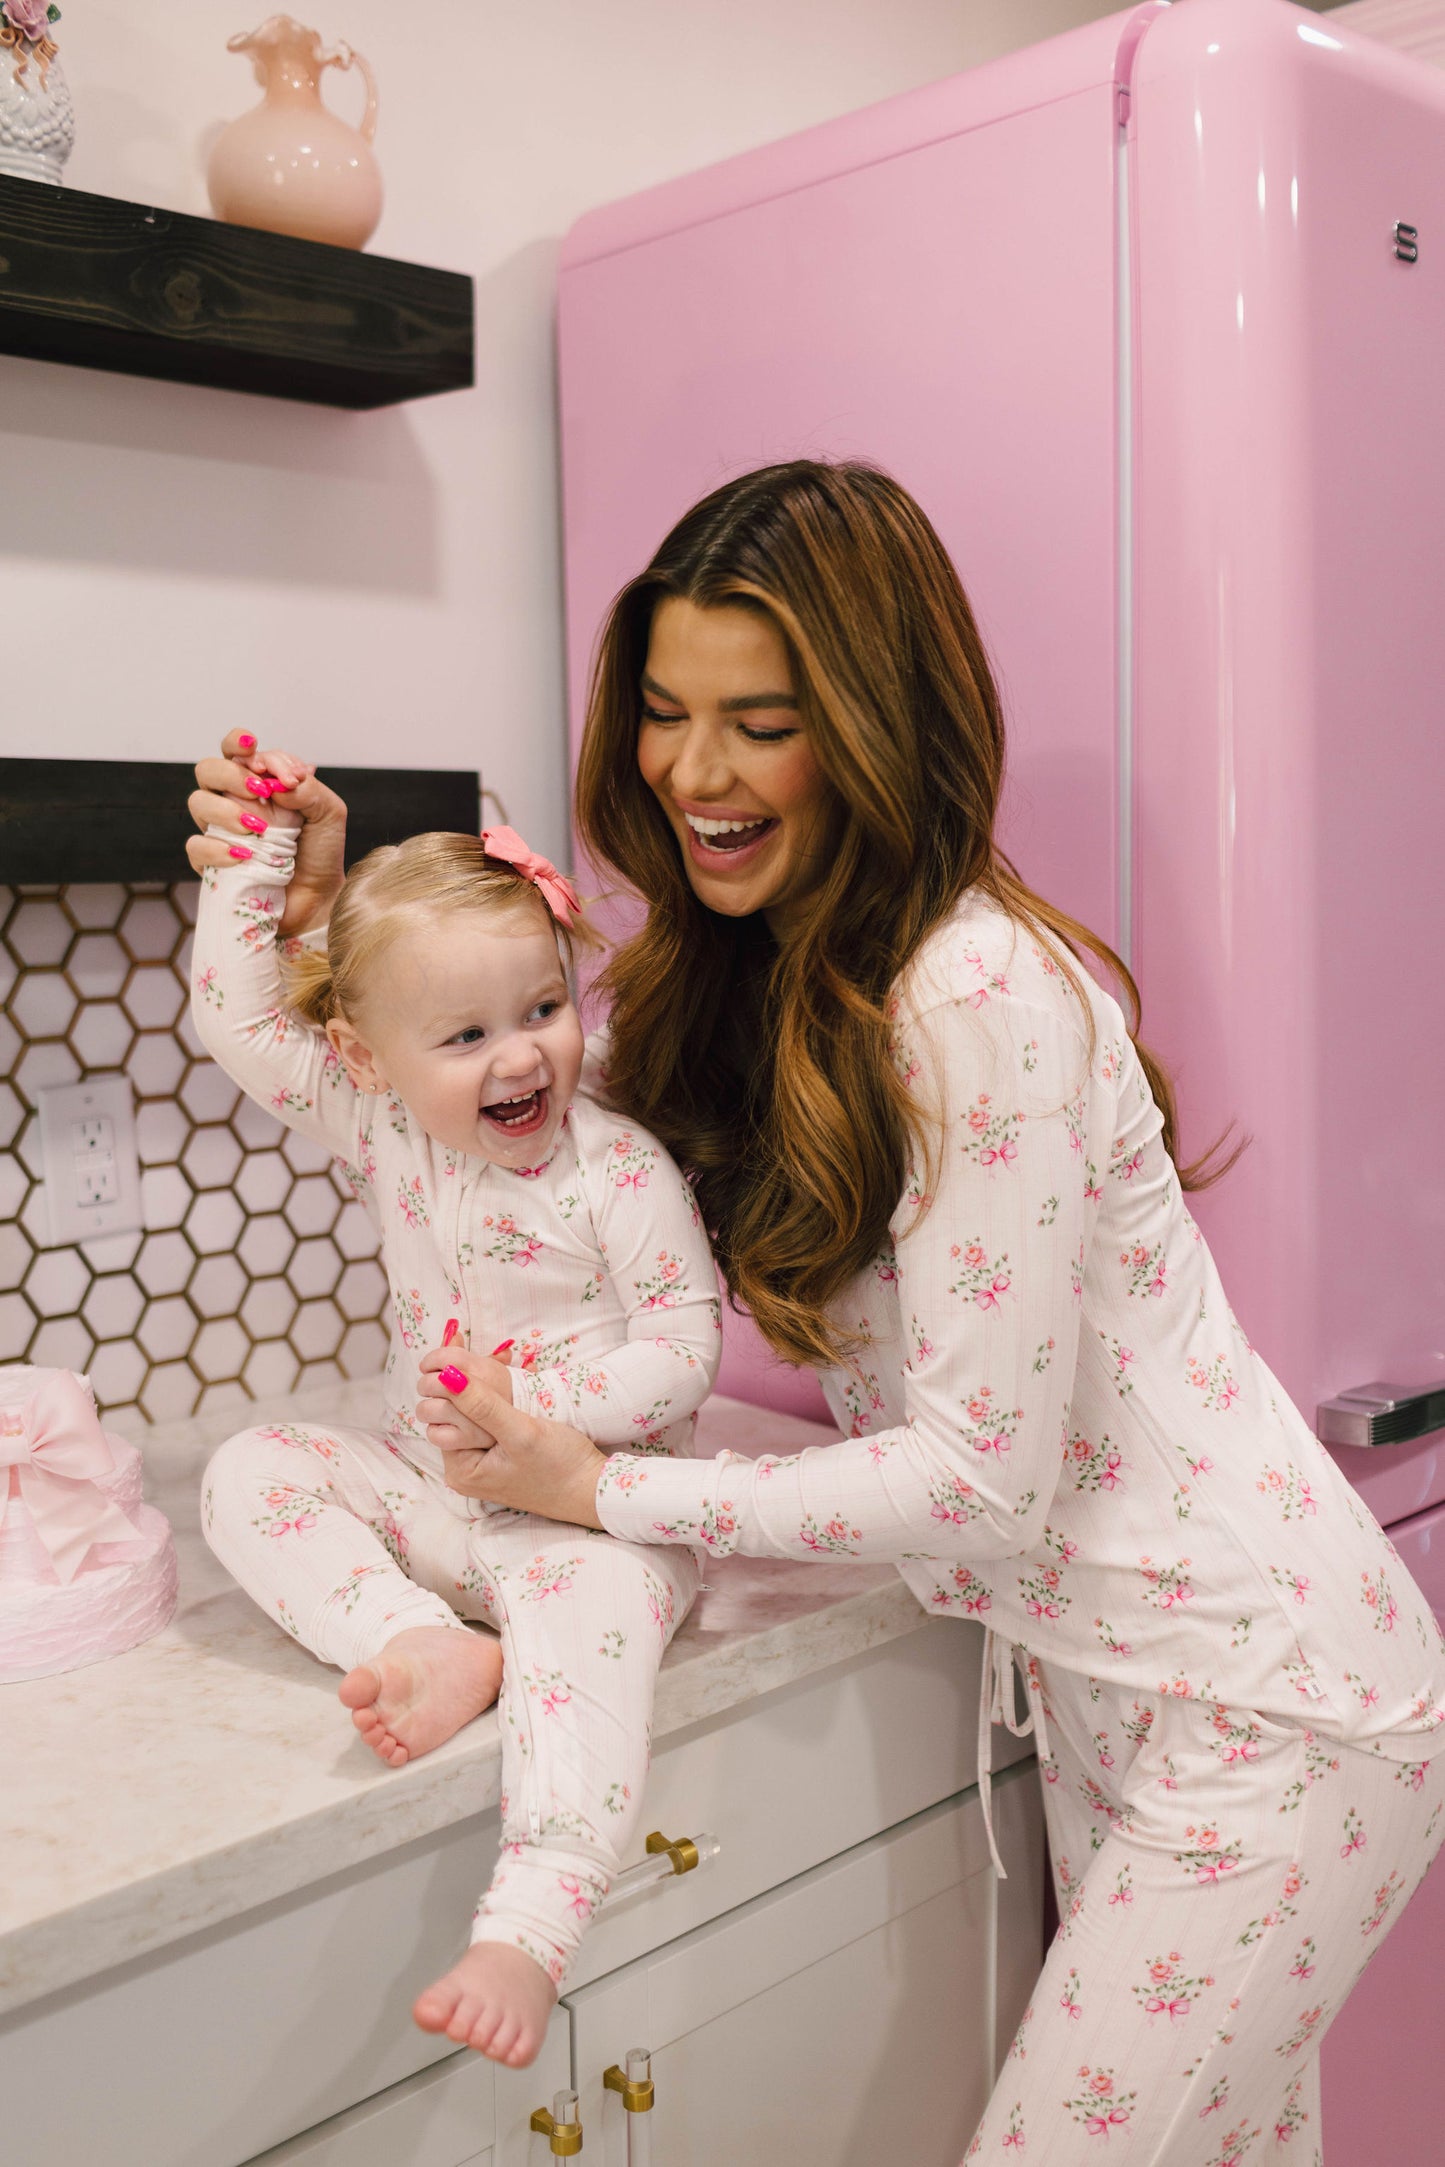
[(37, 119)]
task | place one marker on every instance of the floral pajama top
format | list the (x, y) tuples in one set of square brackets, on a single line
[(594, 1263), (1055, 1424)]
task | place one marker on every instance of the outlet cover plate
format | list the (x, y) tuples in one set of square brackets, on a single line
[(92, 1173)]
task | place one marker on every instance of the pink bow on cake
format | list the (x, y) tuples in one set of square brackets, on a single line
[(561, 897), (59, 1451)]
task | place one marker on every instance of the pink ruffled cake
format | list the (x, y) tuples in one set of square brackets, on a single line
[(87, 1569)]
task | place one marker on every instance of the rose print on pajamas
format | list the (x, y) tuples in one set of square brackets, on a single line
[(863, 1400), (832, 1538), (982, 1280), (1236, 2144), (1287, 1488), (1094, 1467), (1145, 1272), (1237, 1742), (1387, 1895), (1214, 1382), (1379, 1602), (992, 1137), (510, 1243), (963, 1591), (1309, 2023), (411, 1202), (662, 1288), (1208, 1857), (1168, 1991), (1100, 2105), (412, 1316), (1167, 1586), (632, 1163)]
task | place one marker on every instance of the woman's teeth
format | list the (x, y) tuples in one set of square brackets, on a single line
[(727, 834)]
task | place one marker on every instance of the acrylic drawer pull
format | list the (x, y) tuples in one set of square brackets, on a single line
[(1382, 1414), (666, 1857), (634, 2083), (561, 2127)]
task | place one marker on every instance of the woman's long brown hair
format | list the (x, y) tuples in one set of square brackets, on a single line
[(767, 1070)]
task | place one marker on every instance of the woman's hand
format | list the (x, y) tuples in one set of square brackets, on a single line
[(228, 796), (533, 1466)]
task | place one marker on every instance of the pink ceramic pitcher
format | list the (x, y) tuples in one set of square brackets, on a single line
[(289, 165)]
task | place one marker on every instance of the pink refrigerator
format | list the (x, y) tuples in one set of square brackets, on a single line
[(1151, 319)]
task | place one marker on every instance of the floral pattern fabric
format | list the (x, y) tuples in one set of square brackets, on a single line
[(1055, 1424), (596, 1266), (1222, 1879), (346, 1543), (595, 1263)]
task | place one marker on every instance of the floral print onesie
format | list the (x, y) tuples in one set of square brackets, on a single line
[(596, 1265), (1057, 1427)]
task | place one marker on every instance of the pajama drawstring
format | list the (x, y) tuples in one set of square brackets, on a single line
[(998, 1703)]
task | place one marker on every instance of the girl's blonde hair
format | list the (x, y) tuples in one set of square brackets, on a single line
[(379, 900)]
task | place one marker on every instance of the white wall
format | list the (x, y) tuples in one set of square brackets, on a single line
[(383, 588)]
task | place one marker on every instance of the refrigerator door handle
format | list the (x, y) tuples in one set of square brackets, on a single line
[(1381, 1414)]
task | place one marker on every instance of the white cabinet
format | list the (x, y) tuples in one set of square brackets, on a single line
[(463, 2112), (854, 2016)]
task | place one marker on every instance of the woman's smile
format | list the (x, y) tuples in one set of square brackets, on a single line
[(723, 748)]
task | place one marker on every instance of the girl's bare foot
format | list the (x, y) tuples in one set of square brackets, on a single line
[(421, 1689), (496, 2000)]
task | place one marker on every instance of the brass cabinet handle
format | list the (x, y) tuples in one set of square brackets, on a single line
[(667, 1856), (561, 2127), (681, 1850), (634, 2083)]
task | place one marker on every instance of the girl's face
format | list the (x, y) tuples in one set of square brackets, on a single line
[(473, 1027), (723, 750)]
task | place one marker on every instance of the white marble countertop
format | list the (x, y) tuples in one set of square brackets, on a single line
[(213, 1769)]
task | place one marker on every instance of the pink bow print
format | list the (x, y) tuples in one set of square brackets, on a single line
[(558, 892), (58, 1450)]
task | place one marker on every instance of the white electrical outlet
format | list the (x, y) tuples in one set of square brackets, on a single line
[(92, 1174)]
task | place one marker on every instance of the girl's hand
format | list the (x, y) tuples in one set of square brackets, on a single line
[(446, 1426), (533, 1466), (224, 800)]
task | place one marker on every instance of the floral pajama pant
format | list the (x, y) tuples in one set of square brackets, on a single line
[(345, 1544), (1222, 1881)]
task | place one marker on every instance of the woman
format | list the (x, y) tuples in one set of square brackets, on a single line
[(935, 1162)]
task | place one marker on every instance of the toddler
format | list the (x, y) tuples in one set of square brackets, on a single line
[(434, 1046)]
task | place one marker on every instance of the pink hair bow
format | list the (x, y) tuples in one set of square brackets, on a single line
[(558, 892), (59, 1450)]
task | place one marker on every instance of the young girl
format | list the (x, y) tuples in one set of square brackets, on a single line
[(436, 1049)]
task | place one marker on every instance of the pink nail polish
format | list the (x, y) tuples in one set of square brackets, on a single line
[(455, 1380), (256, 825), (246, 743), (237, 851), (258, 786), (498, 1351), (449, 1331)]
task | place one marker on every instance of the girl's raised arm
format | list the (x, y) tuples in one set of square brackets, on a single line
[(238, 1000)]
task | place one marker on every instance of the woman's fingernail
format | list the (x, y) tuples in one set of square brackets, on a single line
[(253, 821), (258, 786), (246, 742), (449, 1331), (500, 1350), (454, 1379), (239, 851)]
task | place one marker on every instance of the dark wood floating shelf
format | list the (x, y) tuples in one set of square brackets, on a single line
[(111, 285), (87, 820)]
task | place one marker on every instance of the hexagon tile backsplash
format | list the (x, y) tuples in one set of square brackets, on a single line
[(257, 1269)]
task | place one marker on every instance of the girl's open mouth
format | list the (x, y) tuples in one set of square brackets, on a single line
[(518, 1117)]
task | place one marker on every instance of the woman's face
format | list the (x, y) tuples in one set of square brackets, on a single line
[(723, 750)]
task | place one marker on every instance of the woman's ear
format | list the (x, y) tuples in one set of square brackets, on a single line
[(358, 1060)]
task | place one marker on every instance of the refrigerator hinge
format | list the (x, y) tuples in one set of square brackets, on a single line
[(1121, 104)]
